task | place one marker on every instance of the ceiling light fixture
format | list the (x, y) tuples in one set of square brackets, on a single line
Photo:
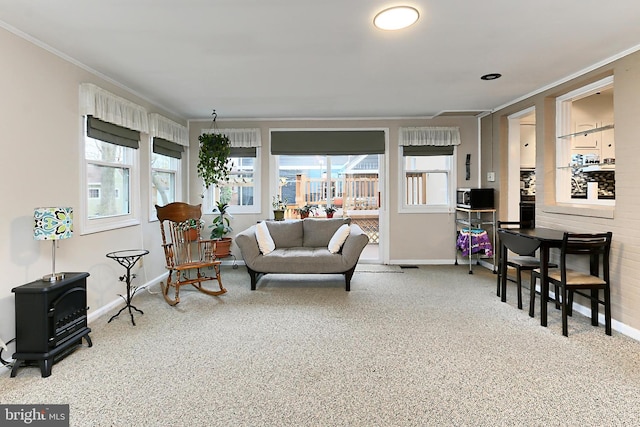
[(491, 76), (396, 18)]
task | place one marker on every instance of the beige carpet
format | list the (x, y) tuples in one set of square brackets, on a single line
[(430, 346)]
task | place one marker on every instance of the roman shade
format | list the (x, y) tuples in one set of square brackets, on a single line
[(167, 148), (243, 152), (427, 150), (114, 134), (346, 142)]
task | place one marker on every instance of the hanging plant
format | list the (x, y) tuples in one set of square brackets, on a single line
[(213, 158)]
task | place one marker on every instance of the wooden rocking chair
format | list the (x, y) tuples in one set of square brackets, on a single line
[(185, 252)]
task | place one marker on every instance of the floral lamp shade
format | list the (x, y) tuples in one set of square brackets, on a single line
[(52, 223)]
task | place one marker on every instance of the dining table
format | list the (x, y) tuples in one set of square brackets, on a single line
[(547, 238)]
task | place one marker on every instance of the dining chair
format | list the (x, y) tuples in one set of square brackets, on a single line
[(525, 259), (595, 246)]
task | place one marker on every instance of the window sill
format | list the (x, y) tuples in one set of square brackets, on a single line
[(580, 210)]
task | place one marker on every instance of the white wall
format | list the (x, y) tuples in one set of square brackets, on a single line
[(40, 129)]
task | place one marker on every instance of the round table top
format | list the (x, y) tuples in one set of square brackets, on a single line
[(129, 253)]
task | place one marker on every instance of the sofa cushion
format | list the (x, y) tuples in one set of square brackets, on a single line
[(318, 232), (286, 234), (265, 242), (336, 242)]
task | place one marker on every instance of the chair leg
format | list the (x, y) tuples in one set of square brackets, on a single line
[(594, 307), (607, 311), (570, 301), (563, 305), (532, 294), (519, 285)]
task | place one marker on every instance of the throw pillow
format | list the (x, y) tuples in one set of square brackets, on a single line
[(265, 242), (338, 238)]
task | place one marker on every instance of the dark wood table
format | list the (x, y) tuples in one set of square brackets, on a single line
[(548, 238)]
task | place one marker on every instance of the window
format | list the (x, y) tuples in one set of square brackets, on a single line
[(426, 182), (165, 175), (585, 146), (242, 191), (110, 196), (110, 176), (427, 157)]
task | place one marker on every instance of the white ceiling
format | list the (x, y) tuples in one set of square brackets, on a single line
[(324, 58)]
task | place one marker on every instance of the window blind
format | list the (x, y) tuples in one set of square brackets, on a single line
[(108, 132), (327, 142), (167, 148)]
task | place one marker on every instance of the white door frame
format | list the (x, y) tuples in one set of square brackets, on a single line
[(513, 163)]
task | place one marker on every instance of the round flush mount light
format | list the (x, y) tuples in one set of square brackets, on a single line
[(491, 76), (396, 18)]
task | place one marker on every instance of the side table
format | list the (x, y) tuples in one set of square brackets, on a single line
[(127, 259)]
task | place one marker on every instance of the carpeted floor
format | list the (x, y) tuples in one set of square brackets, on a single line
[(422, 346)]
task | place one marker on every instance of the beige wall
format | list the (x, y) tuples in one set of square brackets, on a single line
[(624, 221), (41, 136)]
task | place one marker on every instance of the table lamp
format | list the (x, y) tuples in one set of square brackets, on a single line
[(53, 224)]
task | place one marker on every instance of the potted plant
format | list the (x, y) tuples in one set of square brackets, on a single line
[(220, 227), (213, 158), (190, 228), (305, 211), (330, 210), (279, 207)]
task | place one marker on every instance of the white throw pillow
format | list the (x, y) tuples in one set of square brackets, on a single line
[(265, 242), (338, 238)]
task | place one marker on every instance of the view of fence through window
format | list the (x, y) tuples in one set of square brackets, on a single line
[(348, 183)]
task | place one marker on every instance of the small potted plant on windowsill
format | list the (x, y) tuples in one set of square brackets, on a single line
[(330, 210), (279, 206), (220, 227), (305, 211), (190, 228)]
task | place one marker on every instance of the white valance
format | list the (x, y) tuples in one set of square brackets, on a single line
[(162, 127), (111, 108), (240, 138), (438, 136)]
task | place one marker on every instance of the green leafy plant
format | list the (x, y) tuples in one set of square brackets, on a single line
[(278, 204), (306, 210), (190, 224), (330, 209), (213, 158), (221, 223)]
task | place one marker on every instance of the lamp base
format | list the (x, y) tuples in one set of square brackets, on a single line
[(53, 277)]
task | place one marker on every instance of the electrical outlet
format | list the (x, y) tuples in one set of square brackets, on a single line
[(491, 176)]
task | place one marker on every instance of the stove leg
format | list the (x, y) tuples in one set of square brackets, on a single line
[(45, 367)]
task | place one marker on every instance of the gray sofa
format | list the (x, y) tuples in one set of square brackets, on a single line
[(301, 247)]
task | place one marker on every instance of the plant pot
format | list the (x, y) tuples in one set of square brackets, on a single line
[(330, 214), (223, 247), (304, 215), (278, 215), (190, 235)]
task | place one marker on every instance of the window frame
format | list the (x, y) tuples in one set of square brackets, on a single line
[(448, 207), (95, 225)]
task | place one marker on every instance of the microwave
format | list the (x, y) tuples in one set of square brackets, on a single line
[(475, 198)]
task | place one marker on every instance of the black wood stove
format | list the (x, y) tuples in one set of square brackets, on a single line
[(51, 320)]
